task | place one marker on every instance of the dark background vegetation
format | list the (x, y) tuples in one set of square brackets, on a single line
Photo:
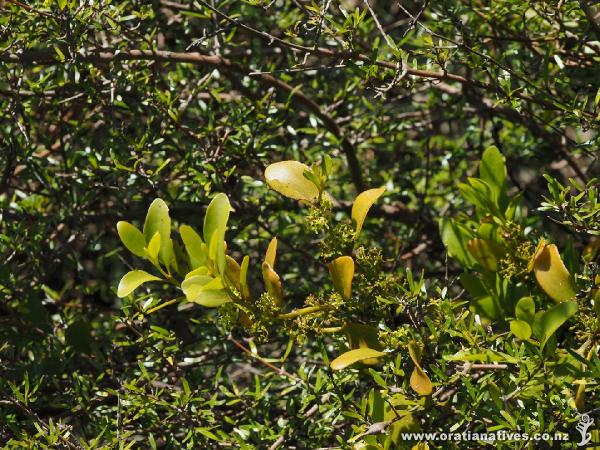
[(107, 105)]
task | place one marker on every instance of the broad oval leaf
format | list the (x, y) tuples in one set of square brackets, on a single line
[(205, 290), (493, 171), (547, 322), (158, 221), (132, 280), (212, 298), (520, 329), (132, 238), (362, 204), (217, 215), (342, 271), (193, 285), (525, 309), (287, 178), (194, 246), (420, 382), (215, 226), (353, 356), (552, 275)]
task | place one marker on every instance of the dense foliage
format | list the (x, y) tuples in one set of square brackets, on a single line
[(292, 224)]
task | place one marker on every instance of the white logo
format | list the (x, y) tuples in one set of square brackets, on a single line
[(585, 422)]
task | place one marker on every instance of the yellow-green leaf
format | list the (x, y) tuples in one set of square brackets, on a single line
[(415, 352), (520, 329), (158, 221), (194, 246), (552, 275), (362, 204), (353, 356), (132, 280), (216, 252), (287, 178), (199, 271), (232, 272), (217, 215), (212, 298), (342, 271), (272, 282), (205, 290), (421, 446), (154, 246), (483, 252), (271, 252), (420, 382), (525, 309), (132, 238), (493, 171), (363, 336), (245, 291)]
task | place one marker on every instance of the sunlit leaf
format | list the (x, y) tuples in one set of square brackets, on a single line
[(415, 352), (217, 215), (287, 178), (212, 298), (154, 246), (525, 309), (363, 336), (552, 275), (232, 272), (132, 280), (271, 253), (158, 221), (342, 271), (245, 291), (205, 290), (420, 382), (493, 171), (272, 282), (194, 246), (520, 329), (215, 226), (362, 204), (353, 356), (132, 238), (216, 251), (198, 271)]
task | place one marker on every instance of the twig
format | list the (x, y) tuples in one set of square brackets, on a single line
[(277, 443), (280, 371)]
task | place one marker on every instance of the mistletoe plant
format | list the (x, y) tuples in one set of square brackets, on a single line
[(516, 285)]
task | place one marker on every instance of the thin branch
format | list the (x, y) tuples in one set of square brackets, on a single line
[(47, 56)]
